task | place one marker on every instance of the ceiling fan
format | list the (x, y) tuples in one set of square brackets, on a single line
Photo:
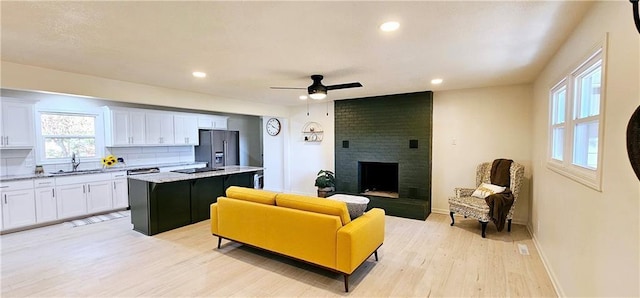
[(319, 91)]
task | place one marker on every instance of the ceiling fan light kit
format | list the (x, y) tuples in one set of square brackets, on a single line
[(318, 91)]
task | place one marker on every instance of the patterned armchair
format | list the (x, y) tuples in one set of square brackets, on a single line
[(464, 204)]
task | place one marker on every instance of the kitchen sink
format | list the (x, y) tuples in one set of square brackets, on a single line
[(76, 172)]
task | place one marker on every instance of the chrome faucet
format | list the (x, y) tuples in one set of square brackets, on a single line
[(74, 163)]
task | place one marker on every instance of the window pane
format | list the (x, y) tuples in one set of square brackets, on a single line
[(585, 145), (557, 147), (589, 93), (63, 147), (67, 125), (559, 104)]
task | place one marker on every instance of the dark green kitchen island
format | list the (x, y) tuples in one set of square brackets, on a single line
[(164, 201)]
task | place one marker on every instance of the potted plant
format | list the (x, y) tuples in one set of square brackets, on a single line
[(326, 182)]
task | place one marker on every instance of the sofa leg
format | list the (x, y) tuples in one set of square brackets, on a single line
[(219, 242), (509, 226), (452, 221), (346, 283), (375, 253), (484, 229)]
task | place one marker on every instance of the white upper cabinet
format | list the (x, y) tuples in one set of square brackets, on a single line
[(159, 129), (124, 127), (212, 122), (127, 127), (186, 129), (16, 125)]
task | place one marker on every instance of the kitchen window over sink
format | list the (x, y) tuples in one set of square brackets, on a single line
[(63, 134)]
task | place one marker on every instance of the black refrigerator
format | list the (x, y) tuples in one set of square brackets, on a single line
[(218, 148)]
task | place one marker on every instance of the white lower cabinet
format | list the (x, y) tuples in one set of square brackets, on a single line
[(46, 204), (29, 202), (120, 193), (99, 196), (18, 204), (18, 208), (71, 200), (83, 194)]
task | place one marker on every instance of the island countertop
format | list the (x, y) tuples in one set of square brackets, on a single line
[(173, 176)]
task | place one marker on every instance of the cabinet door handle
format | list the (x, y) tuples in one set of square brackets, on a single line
[(1, 140), (5, 199), (53, 192), (84, 190), (89, 187), (6, 142), (114, 185)]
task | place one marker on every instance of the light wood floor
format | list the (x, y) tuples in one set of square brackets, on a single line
[(418, 259)]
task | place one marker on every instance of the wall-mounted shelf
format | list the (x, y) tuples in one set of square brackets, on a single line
[(312, 132)]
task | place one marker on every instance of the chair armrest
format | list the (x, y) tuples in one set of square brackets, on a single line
[(359, 239), (463, 192)]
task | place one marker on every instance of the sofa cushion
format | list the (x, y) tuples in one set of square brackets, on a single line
[(252, 195), (313, 204)]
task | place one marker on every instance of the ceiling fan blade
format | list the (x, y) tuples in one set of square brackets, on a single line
[(288, 88), (344, 86)]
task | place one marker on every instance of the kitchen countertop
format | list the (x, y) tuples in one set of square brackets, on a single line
[(95, 171), (173, 177)]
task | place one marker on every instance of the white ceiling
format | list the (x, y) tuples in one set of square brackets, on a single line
[(246, 47)]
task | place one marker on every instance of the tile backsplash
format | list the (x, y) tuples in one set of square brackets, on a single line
[(135, 156), (22, 162), (17, 162)]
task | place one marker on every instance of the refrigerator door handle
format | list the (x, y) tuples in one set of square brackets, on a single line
[(224, 151)]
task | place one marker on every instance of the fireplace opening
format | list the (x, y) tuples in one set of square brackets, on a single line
[(378, 179)]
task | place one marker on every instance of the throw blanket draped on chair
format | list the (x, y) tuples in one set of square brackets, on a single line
[(500, 203)]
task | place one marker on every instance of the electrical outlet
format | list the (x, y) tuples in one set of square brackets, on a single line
[(454, 141)]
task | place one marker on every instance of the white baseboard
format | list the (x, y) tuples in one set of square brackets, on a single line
[(545, 263)]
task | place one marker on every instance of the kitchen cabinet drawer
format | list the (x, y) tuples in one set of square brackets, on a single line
[(119, 175), (44, 182), (16, 185)]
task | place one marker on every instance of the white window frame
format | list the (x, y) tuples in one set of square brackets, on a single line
[(41, 157), (591, 177)]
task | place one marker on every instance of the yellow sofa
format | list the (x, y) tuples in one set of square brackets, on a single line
[(314, 230)]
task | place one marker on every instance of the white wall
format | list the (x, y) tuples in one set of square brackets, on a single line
[(485, 124), (275, 149), (307, 158), (590, 240)]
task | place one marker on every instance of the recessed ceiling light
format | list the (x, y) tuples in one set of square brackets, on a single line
[(436, 81), (199, 74), (390, 26), (303, 97)]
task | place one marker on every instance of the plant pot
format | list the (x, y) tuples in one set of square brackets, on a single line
[(322, 192)]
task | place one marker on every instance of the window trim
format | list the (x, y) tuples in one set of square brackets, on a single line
[(98, 137), (587, 176)]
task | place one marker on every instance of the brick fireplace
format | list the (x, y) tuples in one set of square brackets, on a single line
[(385, 141)]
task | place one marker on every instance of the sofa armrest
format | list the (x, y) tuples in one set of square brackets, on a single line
[(463, 192), (359, 239), (214, 218)]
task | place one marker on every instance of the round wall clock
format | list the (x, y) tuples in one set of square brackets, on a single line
[(273, 126)]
